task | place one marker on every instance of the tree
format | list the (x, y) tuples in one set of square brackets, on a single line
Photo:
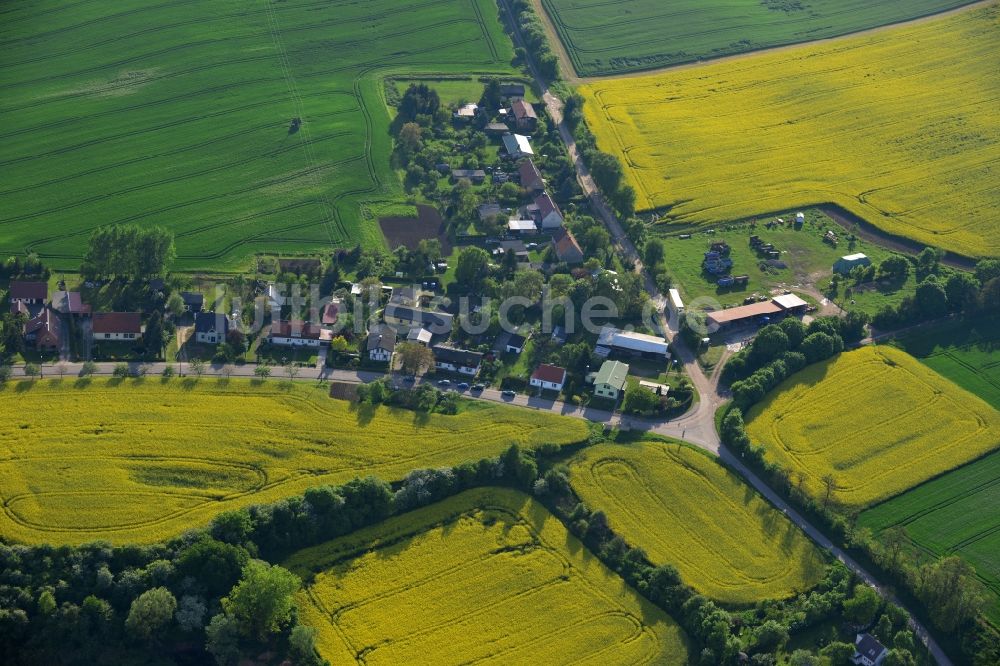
[(262, 602), (606, 171), (931, 299), (32, 370), (217, 565), (291, 370), (839, 653), (197, 366), (949, 590), (120, 370), (820, 346), (175, 304), (88, 368), (829, 487), (190, 614), (770, 636), (154, 335), (129, 251), (262, 372), (410, 138), (962, 290), (653, 253), (988, 269), (5, 373), (639, 400), (419, 100), (223, 639), (894, 267), (302, 645), (861, 608), (150, 612), (770, 343), (415, 358), (473, 267)]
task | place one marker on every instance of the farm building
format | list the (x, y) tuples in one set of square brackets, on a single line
[(437, 323), (27, 292), (531, 177), (610, 380), (522, 227), (566, 247), (381, 343), (70, 303), (740, 316), (548, 378), (676, 304), (420, 336), (549, 215), (461, 361), (210, 328), (844, 265), (868, 651), (517, 146), (475, 176), (790, 304), (524, 116), (43, 330), (298, 334), (627, 342), (117, 326)]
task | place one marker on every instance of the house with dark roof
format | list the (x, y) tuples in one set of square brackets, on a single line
[(512, 89), (116, 326), (868, 651), (518, 247), (381, 343), (549, 216), (496, 129), (438, 323), (531, 177), (475, 176), (297, 333), (211, 328), (566, 247), (28, 292), (462, 361), (525, 117), (43, 330), (70, 303), (488, 210), (193, 300), (515, 343), (548, 377)]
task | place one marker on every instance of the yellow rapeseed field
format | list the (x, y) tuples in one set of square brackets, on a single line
[(875, 420), (901, 127), (686, 509), (140, 461), (488, 576)]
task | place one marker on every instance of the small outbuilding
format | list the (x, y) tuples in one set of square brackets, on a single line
[(846, 264)]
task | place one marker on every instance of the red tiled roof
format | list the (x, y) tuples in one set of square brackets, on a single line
[(546, 205), (296, 329), (29, 290), (549, 373), (69, 302), (566, 246), (529, 173), (118, 322), (330, 314), (522, 109)]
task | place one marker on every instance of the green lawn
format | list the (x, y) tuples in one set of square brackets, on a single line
[(965, 352), (180, 114), (809, 262), (615, 37)]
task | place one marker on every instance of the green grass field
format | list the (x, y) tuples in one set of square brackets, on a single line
[(964, 351), (179, 113), (488, 576), (142, 461), (954, 514), (685, 509), (809, 263), (615, 37)]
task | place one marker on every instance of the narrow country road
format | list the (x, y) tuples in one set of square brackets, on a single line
[(698, 426)]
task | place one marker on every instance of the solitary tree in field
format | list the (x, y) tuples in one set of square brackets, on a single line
[(31, 370), (262, 372), (197, 366), (830, 485)]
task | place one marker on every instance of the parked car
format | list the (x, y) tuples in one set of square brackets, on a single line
[(478, 387), (444, 382), (462, 386), (507, 393)]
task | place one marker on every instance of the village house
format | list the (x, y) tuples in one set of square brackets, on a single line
[(298, 334), (515, 343), (496, 129), (610, 380), (525, 117), (70, 303), (438, 323), (518, 247), (27, 293), (193, 301), (381, 343), (566, 247), (549, 215), (330, 314), (410, 297), (43, 330), (631, 343), (116, 326), (548, 378), (419, 336), (531, 177), (462, 361), (868, 651), (517, 146), (210, 328), (511, 90), (475, 176)]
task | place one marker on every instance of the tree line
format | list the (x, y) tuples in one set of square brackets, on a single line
[(128, 251)]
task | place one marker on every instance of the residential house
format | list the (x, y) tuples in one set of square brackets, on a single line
[(43, 330), (525, 117), (116, 326), (70, 303), (548, 378), (566, 247), (515, 344), (475, 176), (629, 342), (193, 301), (298, 334), (517, 146), (438, 323), (845, 265), (531, 177), (868, 651), (610, 380), (210, 328), (330, 314), (524, 227), (409, 297), (419, 336), (381, 343), (518, 247), (549, 215), (28, 292), (462, 361)]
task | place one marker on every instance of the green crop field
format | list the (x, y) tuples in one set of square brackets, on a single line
[(875, 420), (179, 113), (964, 351), (785, 129), (488, 576), (958, 513), (615, 37), (685, 509), (141, 461)]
